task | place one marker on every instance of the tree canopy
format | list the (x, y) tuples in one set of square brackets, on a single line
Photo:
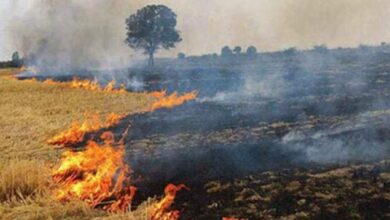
[(251, 51), (152, 28), (226, 52), (237, 50)]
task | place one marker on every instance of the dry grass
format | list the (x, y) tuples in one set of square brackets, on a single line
[(25, 193), (142, 213), (22, 179), (30, 114)]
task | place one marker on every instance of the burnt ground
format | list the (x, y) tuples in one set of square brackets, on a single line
[(354, 192), (313, 143), (311, 153)]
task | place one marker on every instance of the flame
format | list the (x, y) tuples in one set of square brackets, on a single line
[(83, 84), (170, 101), (160, 210), (158, 94), (97, 176), (100, 177), (94, 86), (76, 133)]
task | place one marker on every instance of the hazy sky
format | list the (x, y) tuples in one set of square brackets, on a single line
[(207, 25)]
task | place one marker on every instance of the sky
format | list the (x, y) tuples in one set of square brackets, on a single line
[(206, 25)]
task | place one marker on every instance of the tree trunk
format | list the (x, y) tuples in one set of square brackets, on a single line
[(151, 60)]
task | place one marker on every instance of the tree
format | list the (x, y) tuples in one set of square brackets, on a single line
[(292, 51), (251, 52), (226, 52), (152, 28), (16, 59), (237, 50), (320, 49), (181, 56)]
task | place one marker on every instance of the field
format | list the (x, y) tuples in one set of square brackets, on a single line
[(30, 114), (281, 136)]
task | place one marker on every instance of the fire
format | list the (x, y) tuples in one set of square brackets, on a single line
[(94, 86), (170, 101), (159, 211), (84, 85), (98, 175), (158, 94), (92, 123)]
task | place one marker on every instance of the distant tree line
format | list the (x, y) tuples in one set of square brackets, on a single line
[(226, 53), (15, 61)]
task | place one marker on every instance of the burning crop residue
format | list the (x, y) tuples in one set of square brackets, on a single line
[(100, 177), (92, 123), (89, 175), (77, 83), (94, 86), (159, 211), (170, 101), (76, 133), (98, 174)]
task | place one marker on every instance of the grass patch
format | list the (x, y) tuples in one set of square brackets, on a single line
[(22, 179)]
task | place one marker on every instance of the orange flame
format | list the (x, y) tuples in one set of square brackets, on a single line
[(76, 133), (89, 175), (100, 177), (84, 85), (158, 94), (94, 86), (160, 210), (170, 101)]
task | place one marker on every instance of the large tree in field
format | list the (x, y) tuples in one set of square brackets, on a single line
[(152, 28)]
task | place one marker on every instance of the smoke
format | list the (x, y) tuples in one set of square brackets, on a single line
[(338, 151), (253, 86), (71, 34), (91, 33)]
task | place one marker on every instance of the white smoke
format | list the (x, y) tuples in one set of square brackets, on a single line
[(71, 34)]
